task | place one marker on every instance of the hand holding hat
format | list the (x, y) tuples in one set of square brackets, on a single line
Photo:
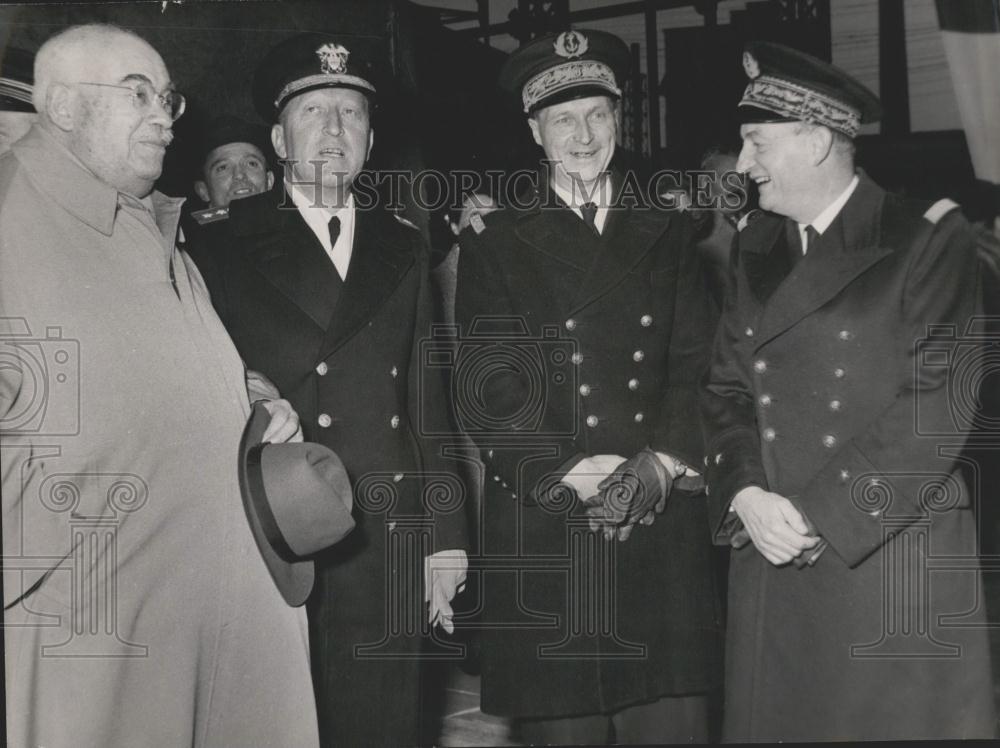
[(298, 502)]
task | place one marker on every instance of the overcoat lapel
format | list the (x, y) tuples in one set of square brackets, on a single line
[(380, 259), (288, 256), (763, 252), (629, 235), (846, 250), (549, 236)]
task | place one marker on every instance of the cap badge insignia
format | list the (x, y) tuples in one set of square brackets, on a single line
[(750, 66), (570, 44), (333, 59)]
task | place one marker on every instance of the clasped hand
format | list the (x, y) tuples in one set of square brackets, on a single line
[(777, 529), (620, 493)]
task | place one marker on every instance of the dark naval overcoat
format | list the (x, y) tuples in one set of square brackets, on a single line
[(839, 382), (347, 354), (577, 344)]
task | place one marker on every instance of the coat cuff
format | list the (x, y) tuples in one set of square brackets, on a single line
[(733, 463), (856, 507)]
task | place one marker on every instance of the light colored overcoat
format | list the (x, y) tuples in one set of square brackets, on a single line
[(138, 610)]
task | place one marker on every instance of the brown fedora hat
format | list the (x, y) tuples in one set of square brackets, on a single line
[(298, 501)]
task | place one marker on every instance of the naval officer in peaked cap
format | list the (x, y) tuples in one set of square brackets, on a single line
[(232, 163), (833, 433), (331, 302), (604, 626)]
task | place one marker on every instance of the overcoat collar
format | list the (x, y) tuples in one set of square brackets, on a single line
[(63, 177), (846, 250), (290, 257), (629, 233), (286, 253), (382, 256)]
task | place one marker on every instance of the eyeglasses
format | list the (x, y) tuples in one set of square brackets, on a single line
[(143, 95)]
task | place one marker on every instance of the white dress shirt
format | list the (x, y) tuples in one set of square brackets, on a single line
[(317, 218)]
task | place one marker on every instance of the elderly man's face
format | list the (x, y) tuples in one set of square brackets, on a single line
[(123, 144), (13, 126), (776, 156), (579, 136), (327, 135), (232, 171)]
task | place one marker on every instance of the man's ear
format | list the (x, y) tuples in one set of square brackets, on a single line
[(268, 181), (201, 190), (60, 106), (371, 142), (535, 132), (820, 144), (278, 140)]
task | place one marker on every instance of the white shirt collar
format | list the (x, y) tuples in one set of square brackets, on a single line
[(602, 196), (822, 222), (317, 218)]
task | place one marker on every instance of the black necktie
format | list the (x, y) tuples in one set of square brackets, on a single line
[(812, 236), (589, 212), (334, 227)]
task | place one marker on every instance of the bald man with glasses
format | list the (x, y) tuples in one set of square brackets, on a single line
[(137, 608)]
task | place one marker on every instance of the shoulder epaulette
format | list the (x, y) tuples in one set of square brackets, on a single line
[(940, 209), (210, 215), (405, 221)]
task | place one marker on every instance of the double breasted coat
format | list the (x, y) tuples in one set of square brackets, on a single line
[(576, 344), (837, 381), (347, 355)]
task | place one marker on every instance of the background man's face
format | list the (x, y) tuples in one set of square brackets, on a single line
[(330, 126), (13, 126), (232, 171), (775, 155), (579, 136), (123, 145)]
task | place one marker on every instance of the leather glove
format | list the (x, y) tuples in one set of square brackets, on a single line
[(637, 487)]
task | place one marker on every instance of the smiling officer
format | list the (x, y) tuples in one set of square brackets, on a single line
[(607, 627), (833, 435)]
